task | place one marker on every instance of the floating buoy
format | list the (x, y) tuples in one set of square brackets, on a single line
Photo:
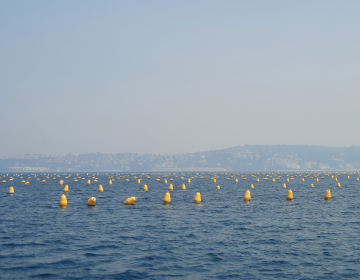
[(335, 179), (273, 179), (63, 201), (110, 182), (252, 186), (289, 195), (11, 190), (139, 181), (287, 180), (357, 179), (61, 182), (165, 181), (189, 181), (66, 189), (236, 180), (258, 180), (167, 198), (247, 196), (312, 185), (91, 201), (145, 188), (183, 187), (101, 188), (317, 179), (171, 187), (26, 183), (327, 194), (338, 185), (218, 187), (197, 198), (130, 200), (303, 180), (88, 182), (284, 186), (214, 180), (43, 181)]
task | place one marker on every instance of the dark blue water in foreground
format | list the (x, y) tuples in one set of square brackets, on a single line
[(221, 238)]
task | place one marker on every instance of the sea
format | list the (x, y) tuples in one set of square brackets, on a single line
[(223, 237)]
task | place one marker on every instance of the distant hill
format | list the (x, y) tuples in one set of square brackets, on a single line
[(242, 159)]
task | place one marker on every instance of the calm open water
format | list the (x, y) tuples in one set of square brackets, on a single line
[(221, 238)]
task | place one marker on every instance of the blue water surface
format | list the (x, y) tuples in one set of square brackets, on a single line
[(221, 238)]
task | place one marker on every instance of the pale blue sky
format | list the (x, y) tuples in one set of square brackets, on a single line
[(177, 76)]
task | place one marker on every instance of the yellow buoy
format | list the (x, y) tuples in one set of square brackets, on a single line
[(171, 187), (167, 198), (247, 196), (63, 201), (284, 186), (273, 179), (214, 180), (357, 179), (110, 182), (312, 185), (139, 181), (335, 179), (66, 189), (189, 181), (338, 185), (317, 179), (218, 187), (130, 200), (236, 180), (61, 182), (101, 188), (165, 181), (252, 186), (26, 183), (91, 201), (303, 180), (145, 188), (258, 180), (11, 190), (197, 198), (289, 195), (183, 187), (287, 180), (327, 194), (88, 182)]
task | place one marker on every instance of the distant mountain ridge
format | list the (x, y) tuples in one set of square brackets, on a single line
[(241, 159)]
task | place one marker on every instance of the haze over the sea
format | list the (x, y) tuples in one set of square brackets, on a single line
[(177, 76)]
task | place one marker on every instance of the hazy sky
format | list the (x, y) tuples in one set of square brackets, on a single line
[(177, 76)]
